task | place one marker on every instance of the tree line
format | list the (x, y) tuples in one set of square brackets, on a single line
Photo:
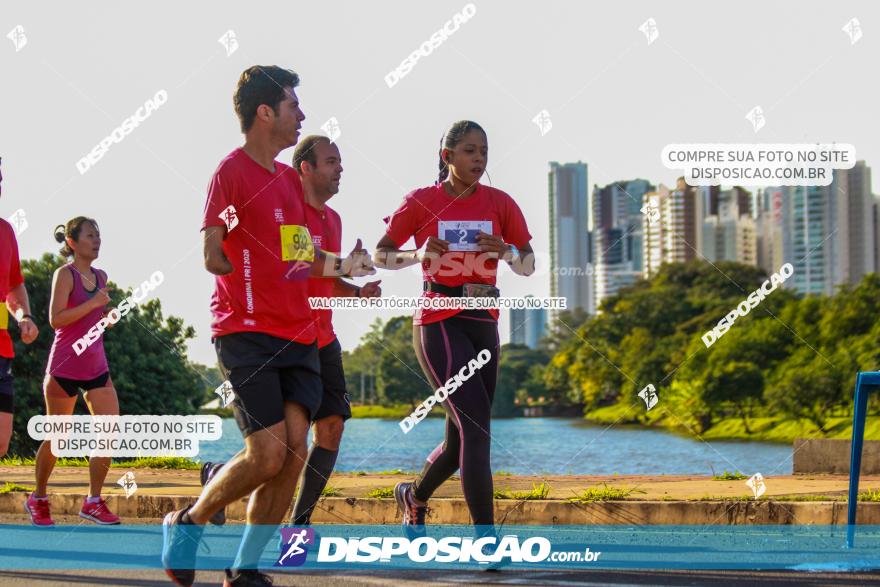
[(792, 356)]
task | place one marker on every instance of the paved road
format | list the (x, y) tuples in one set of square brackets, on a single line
[(358, 579), (563, 578)]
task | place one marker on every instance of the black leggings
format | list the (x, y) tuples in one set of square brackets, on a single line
[(443, 348)]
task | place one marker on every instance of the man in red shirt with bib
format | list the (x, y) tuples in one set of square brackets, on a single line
[(259, 248)]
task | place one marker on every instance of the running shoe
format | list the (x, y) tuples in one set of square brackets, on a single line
[(38, 510), (207, 473), (180, 542), (413, 513), (489, 550), (98, 512), (247, 578)]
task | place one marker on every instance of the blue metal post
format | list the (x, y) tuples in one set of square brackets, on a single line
[(865, 383)]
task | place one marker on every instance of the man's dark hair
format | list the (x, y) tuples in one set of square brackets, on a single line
[(261, 84), (305, 151)]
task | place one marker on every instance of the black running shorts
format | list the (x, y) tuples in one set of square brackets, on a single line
[(335, 400), (265, 371)]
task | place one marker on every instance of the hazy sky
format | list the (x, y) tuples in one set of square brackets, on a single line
[(614, 102)]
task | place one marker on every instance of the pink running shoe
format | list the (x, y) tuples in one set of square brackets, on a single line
[(98, 513), (38, 510)]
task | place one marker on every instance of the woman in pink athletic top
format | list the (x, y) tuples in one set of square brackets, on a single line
[(79, 300)]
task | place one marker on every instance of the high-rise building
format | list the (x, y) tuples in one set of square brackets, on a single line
[(679, 214), (570, 236), (676, 235), (876, 233), (730, 234), (618, 239), (826, 232), (527, 327), (851, 188)]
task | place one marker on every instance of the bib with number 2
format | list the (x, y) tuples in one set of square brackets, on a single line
[(296, 243), (462, 234)]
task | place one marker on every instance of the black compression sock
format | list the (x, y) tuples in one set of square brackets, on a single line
[(317, 470)]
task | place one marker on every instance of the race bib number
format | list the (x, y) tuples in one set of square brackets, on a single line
[(462, 234), (4, 316), (296, 243)]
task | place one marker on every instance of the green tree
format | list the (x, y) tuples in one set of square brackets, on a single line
[(146, 353), (516, 364), (399, 377)]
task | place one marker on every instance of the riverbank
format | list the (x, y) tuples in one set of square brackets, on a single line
[(769, 429), (576, 499)]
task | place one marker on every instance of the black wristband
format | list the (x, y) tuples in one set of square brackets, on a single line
[(27, 317)]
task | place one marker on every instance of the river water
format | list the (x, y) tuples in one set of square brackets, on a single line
[(541, 446)]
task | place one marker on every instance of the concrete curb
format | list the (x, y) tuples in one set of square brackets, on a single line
[(341, 510)]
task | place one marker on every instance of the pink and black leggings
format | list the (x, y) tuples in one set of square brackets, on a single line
[(443, 349)]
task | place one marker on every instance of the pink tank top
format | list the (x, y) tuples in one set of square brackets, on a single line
[(63, 360)]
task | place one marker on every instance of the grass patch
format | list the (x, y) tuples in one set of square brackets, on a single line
[(14, 487), (538, 491), (785, 431), (728, 476), (808, 497), (331, 492), (138, 463), (397, 412), (503, 473), (381, 492), (727, 498), (613, 414), (604, 493), (870, 495)]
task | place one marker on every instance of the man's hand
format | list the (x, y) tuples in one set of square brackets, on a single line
[(371, 289), (28, 330), (215, 260), (358, 263)]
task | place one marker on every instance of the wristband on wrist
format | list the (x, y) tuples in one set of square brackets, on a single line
[(26, 317), (514, 253), (337, 268)]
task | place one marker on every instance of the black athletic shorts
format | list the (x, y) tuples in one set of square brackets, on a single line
[(72, 386), (5, 384), (335, 400), (265, 371)]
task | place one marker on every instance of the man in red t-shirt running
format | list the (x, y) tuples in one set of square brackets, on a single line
[(260, 250), (13, 300), (320, 166), (319, 163)]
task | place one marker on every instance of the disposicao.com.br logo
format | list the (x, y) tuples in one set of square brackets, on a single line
[(393, 550)]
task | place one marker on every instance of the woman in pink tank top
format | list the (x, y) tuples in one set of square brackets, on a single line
[(79, 300)]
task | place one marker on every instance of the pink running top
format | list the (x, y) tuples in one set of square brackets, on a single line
[(63, 360)]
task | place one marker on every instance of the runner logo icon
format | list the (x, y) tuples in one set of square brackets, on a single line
[(295, 543)]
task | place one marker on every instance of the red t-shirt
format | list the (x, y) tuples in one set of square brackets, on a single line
[(326, 229), (423, 213), (10, 278), (267, 290)]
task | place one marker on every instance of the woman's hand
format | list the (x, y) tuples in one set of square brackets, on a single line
[(494, 245), (434, 248), (101, 297)]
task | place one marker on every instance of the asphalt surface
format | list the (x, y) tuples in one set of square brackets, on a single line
[(504, 577), (562, 578)]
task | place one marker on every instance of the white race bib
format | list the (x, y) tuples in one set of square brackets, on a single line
[(462, 234)]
